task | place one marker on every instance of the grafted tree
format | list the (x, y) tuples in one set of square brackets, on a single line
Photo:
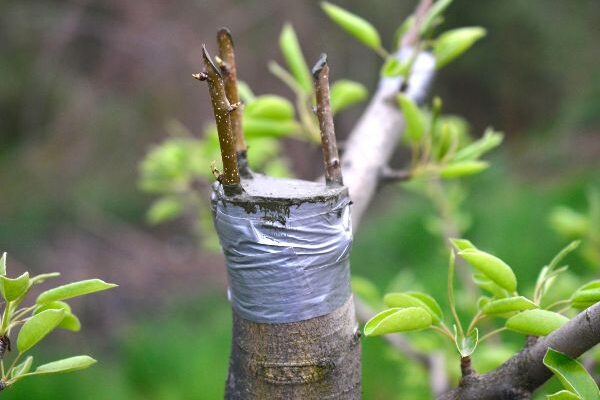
[(295, 334)]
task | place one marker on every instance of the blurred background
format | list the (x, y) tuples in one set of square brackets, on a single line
[(88, 87)]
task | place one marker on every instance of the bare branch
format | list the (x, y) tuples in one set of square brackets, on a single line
[(229, 71), (222, 111), (333, 171), (411, 37)]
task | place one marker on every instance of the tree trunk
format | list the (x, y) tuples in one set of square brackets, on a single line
[(314, 359), (295, 334)]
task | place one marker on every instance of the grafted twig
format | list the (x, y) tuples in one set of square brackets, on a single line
[(333, 170), (229, 71), (222, 110)]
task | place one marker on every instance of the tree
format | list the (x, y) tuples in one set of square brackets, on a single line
[(319, 356)]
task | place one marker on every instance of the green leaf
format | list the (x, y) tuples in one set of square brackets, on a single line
[(487, 142), (164, 209), (398, 320), (589, 296), (572, 375), (74, 289), (264, 128), (70, 322), (3, 264), (492, 267), (508, 305), (415, 120), (66, 365), (270, 107), (290, 47), (488, 285), (41, 278), (345, 93), (455, 42), (466, 345), (462, 244), (463, 168), (536, 322), (563, 253), (22, 368), (245, 92), (353, 24), (415, 299), (563, 395), (433, 14), (569, 222), (37, 327), (12, 289), (394, 67)]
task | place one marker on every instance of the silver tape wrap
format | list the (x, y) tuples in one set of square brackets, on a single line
[(286, 269)]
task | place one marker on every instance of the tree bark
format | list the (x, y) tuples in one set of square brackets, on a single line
[(314, 359)]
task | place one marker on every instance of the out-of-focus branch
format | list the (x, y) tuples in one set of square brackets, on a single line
[(411, 37), (525, 372), (374, 139), (331, 158)]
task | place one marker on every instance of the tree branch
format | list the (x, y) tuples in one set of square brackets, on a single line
[(229, 71), (525, 372), (331, 158), (222, 110)]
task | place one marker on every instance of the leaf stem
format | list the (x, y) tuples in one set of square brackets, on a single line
[(492, 333), (451, 299)]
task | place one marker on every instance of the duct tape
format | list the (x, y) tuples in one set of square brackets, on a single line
[(287, 258)]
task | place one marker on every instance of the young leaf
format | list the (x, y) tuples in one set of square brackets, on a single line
[(488, 285), (398, 320), (487, 142), (70, 322), (164, 209), (354, 25), (267, 128), (288, 43), (467, 345), (462, 244), (463, 168), (74, 289), (270, 107), (37, 327), (415, 120), (245, 92), (12, 289), (508, 305), (563, 253), (402, 30), (414, 299), (453, 43), (41, 278), (536, 322), (587, 297), (492, 267), (3, 264), (22, 368), (394, 67), (569, 223), (572, 375), (345, 93), (563, 395), (434, 12), (66, 365)]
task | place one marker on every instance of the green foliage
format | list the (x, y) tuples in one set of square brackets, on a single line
[(345, 93), (574, 377), (356, 26), (39, 320), (398, 319), (288, 43), (451, 44), (536, 322)]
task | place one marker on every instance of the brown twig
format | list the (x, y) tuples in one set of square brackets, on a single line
[(229, 71), (333, 169), (222, 110)]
